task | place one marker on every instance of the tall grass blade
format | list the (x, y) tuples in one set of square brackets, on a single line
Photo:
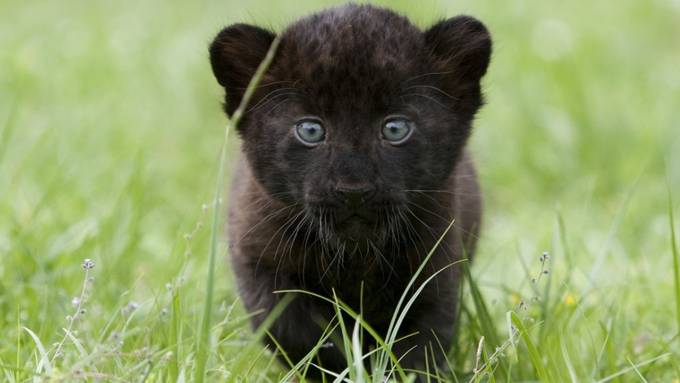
[(7, 368), (7, 130), (637, 371), (175, 335), (357, 353), (608, 244), (306, 360), (676, 259), (18, 355), (244, 358), (347, 345), (486, 322), (285, 356), (44, 363), (370, 330), (632, 368), (567, 361), (398, 316), (79, 346), (534, 355), (204, 339)]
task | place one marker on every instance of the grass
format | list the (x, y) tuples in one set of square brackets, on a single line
[(110, 142), (676, 261)]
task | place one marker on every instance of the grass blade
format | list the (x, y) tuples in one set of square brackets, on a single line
[(348, 310), (485, 320), (357, 353), (7, 368), (534, 355), (8, 129), (244, 358), (397, 317), (204, 339), (632, 368), (76, 342), (639, 374), (345, 337), (676, 259), (567, 361), (44, 358)]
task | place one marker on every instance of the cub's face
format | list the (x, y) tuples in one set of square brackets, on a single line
[(359, 113)]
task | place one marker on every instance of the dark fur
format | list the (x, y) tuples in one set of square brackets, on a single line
[(352, 66)]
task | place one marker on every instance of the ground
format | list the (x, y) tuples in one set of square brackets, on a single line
[(110, 133)]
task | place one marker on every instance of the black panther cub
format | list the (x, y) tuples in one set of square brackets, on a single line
[(353, 165)]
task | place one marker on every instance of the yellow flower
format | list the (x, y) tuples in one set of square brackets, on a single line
[(515, 299), (570, 299)]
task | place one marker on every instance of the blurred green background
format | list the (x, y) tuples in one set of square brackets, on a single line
[(110, 128)]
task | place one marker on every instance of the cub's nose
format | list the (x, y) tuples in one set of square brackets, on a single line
[(354, 195)]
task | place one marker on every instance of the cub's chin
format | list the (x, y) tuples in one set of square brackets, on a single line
[(356, 228), (359, 234)]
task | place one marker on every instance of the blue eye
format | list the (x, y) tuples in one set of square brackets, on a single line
[(309, 132), (397, 130)]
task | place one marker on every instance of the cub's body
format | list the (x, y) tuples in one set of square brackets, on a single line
[(353, 166)]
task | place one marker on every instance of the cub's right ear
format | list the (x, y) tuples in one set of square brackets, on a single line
[(235, 54), (461, 48)]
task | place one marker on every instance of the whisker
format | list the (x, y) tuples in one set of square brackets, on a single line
[(429, 98), (271, 95), (264, 85), (287, 226), (267, 218), (277, 97), (445, 220), (426, 75), (436, 89)]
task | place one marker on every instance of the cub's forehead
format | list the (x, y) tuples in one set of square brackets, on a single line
[(358, 48), (362, 31)]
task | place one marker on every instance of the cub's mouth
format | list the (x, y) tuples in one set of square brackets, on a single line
[(361, 226), (355, 226), (355, 215)]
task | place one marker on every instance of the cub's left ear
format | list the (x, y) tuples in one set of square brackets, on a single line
[(235, 55), (461, 49)]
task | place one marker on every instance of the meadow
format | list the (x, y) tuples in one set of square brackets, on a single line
[(111, 131)]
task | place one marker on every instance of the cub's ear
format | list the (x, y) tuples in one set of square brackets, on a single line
[(235, 54), (461, 49)]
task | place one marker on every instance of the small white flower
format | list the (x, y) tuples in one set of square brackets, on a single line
[(88, 264), (130, 308)]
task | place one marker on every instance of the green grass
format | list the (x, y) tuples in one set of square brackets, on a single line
[(110, 140)]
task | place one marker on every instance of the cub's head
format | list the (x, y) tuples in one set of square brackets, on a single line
[(358, 110)]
